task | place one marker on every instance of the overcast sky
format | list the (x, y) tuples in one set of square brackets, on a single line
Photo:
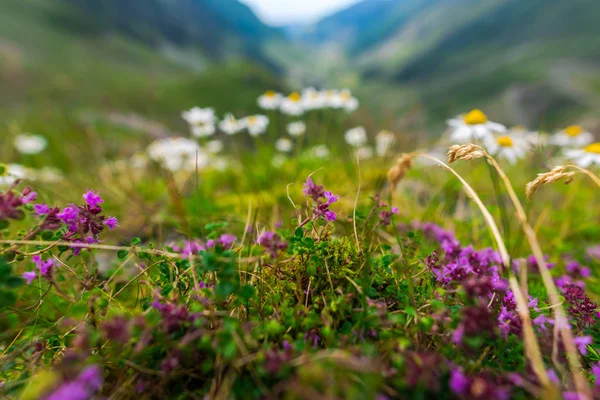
[(282, 12)]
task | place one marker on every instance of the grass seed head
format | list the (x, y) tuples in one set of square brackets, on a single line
[(557, 173), (397, 172), (464, 152)]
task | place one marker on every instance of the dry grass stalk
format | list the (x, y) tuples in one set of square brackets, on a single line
[(532, 349), (399, 170), (560, 317), (556, 174), (464, 152)]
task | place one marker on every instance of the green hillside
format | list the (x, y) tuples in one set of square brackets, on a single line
[(454, 54)]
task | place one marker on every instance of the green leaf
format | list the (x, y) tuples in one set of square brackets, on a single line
[(122, 254), (135, 241)]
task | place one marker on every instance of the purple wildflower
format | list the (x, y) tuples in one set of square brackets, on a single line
[(45, 267), (71, 390), (227, 240), (596, 373), (29, 276), (272, 242), (582, 342), (92, 199), (111, 223), (28, 195), (459, 383), (576, 270), (312, 190), (41, 209)]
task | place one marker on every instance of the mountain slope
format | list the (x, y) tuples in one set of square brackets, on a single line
[(220, 28), (460, 53)]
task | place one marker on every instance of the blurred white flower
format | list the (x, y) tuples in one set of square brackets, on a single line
[(201, 121), (383, 142), (220, 164), (574, 136), (256, 124), (320, 151), (535, 138), (473, 126), (297, 128), (203, 130), (356, 136), (313, 99), (270, 100), (230, 125), (49, 175), (364, 153), (11, 172), (178, 154), (214, 146), (284, 145), (292, 105), (27, 143), (509, 147), (348, 102), (278, 160), (199, 115), (585, 157)]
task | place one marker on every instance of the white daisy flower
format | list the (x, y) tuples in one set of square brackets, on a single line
[(313, 99), (297, 128), (230, 125), (278, 160), (11, 172), (270, 100), (214, 146), (383, 142), (347, 101), (364, 153), (138, 161), (256, 124), (292, 105), (356, 136), (203, 130), (201, 121), (199, 115), (509, 147), (320, 151), (473, 126), (284, 145), (574, 136), (27, 143), (177, 153), (535, 138), (585, 157)]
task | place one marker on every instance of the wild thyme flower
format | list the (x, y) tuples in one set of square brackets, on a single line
[(11, 203), (272, 242), (29, 276), (576, 270), (581, 306), (111, 223), (582, 342), (92, 199), (45, 267), (312, 190), (41, 209), (87, 383)]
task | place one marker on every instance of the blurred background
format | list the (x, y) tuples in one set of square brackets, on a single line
[(412, 63)]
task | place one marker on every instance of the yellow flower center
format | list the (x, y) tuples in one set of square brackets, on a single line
[(294, 96), (251, 120), (345, 96), (573, 130), (475, 117), (505, 141), (593, 148), (270, 94)]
